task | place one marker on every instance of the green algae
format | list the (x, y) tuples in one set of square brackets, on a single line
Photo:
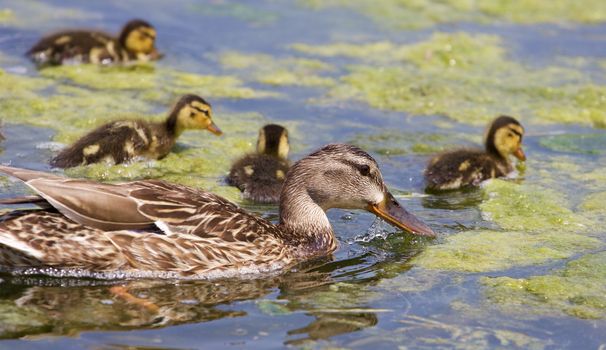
[(6, 15), (488, 250), (528, 208), (577, 290), (537, 224), (268, 70), (595, 202), (576, 143), (154, 83), (466, 77), (401, 14), (400, 143), (36, 14)]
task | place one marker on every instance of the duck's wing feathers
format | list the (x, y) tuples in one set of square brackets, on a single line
[(181, 209), (103, 206), (175, 209)]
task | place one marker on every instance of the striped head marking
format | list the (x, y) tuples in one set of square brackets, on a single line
[(504, 138), (273, 141), (138, 36), (193, 112)]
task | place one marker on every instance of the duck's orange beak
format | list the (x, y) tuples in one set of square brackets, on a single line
[(214, 129), (520, 154), (392, 212)]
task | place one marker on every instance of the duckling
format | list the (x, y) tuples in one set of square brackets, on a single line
[(135, 43), (119, 141), (469, 167), (260, 175)]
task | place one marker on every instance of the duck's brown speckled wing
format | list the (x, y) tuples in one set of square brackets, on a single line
[(49, 241), (181, 209), (175, 209), (105, 227)]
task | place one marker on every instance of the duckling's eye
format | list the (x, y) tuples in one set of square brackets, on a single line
[(192, 114), (364, 170)]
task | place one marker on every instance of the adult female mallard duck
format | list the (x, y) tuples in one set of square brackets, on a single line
[(152, 228), (119, 141), (260, 175), (136, 42), (469, 167)]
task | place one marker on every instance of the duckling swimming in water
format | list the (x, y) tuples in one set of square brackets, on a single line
[(469, 167), (136, 42), (260, 175), (119, 141)]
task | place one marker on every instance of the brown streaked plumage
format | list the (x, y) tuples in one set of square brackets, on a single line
[(157, 229), (469, 167), (136, 42), (119, 141), (260, 175)]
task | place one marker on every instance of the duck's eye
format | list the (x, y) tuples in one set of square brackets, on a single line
[(192, 114), (364, 170)]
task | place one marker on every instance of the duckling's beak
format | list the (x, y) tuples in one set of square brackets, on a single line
[(214, 129), (155, 54), (520, 154), (392, 212)]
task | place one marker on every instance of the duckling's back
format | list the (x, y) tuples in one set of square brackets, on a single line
[(115, 142), (461, 168), (73, 46), (259, 176)]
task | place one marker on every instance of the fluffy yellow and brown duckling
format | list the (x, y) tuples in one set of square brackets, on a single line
[(136, 42), (260, 175), (468, 167), (153, 228), (119, 141)]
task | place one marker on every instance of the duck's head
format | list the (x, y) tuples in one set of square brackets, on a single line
[(273, 141), (192, 112), (344, 176), (504, 138), (139, 38)]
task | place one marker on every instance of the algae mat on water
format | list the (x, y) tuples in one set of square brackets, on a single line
[(537, 227), (578, 290), (403, 14), (466, 77)]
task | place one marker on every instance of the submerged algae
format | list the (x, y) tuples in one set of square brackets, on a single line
[(528, 208), (487, 250), (576, 143), (154, 83), (278, 71), (425, 13), (538, 227), (400, 143), (577, 290), (465, 77)]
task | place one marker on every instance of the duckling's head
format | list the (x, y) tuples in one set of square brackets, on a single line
[(139, 37), (504, 138), (191, 112), (273, 141), (344, 176)]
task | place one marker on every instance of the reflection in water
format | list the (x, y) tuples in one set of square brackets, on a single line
[(66, 307), (42, 306)]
